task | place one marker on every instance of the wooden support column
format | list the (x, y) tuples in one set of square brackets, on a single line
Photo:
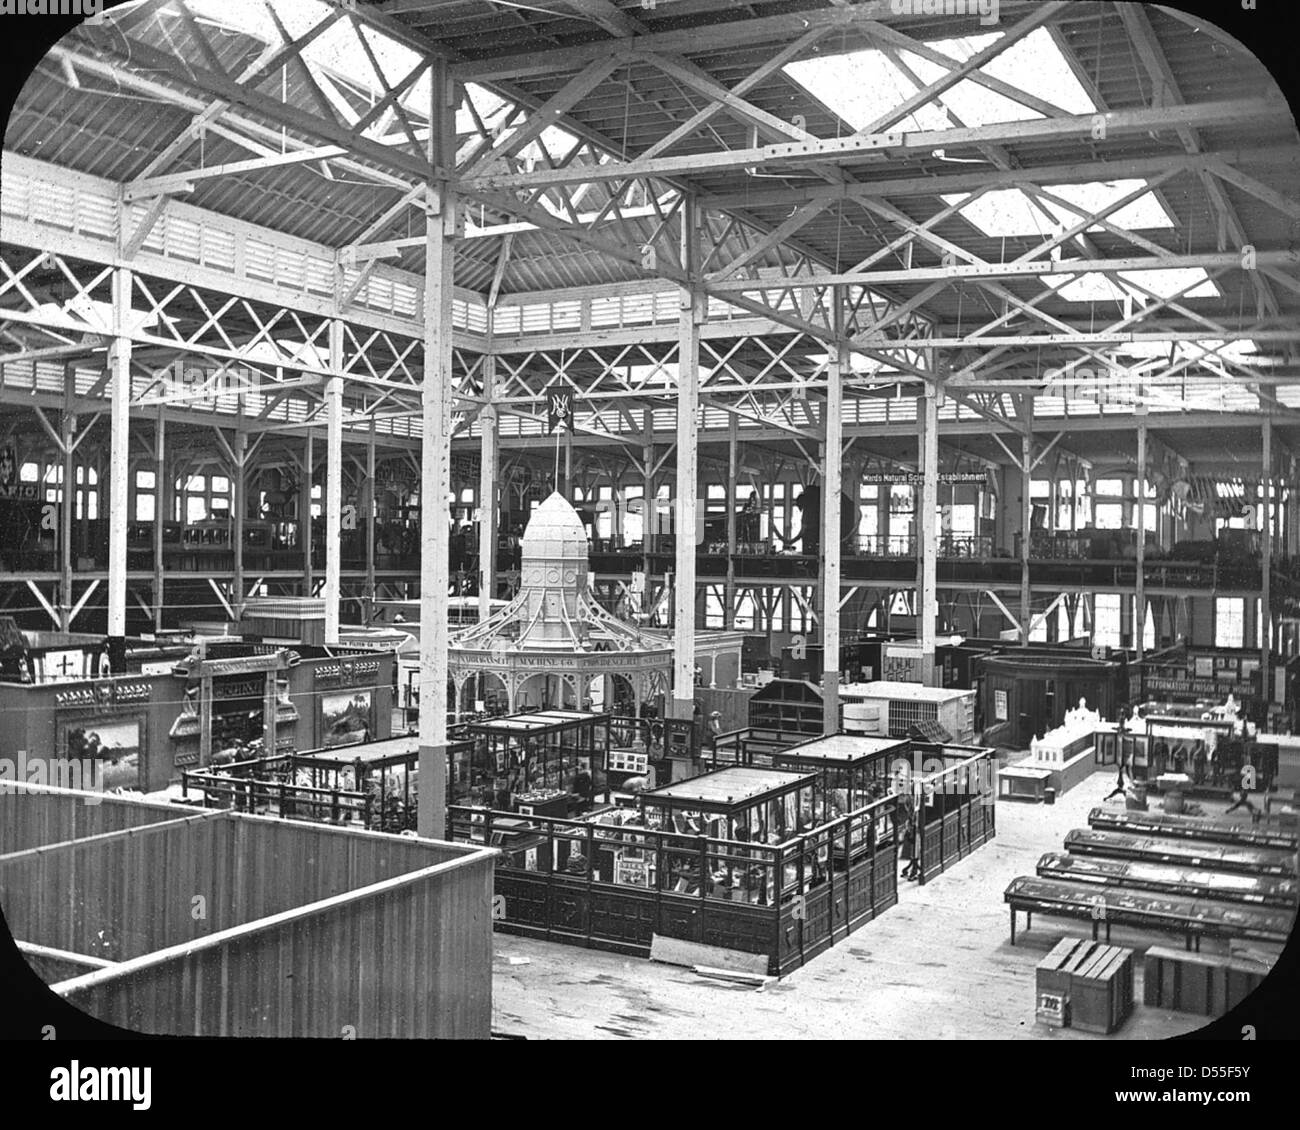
[(832, 468), (1266, 565), (238, 510), (733, 462), (333, 484), (649, 516), (435, 463), (1292, 514), (205, 719), (1140, 521), (119, 452), (487, 491), (688, 400), (927, 604), (1026, 517), (67, 508), (304, 518), (161, 499), (269, 699), (369, 511)]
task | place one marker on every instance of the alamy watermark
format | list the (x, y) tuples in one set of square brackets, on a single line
[(86, 8), (977, 776), (82, 773), (987, 10)]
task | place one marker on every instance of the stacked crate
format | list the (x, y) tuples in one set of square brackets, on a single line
[(1085, 985), (1204, 984)]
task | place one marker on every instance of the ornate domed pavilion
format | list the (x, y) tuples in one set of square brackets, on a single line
[(553, 639)]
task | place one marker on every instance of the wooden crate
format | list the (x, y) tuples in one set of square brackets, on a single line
[(1202, 984), (1052, 981), (1101, 990), (1094, 981)]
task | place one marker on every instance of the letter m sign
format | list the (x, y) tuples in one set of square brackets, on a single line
[(559, 409)]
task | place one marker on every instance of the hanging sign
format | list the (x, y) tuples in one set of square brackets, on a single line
[(914, 478), (559, 409), (10, 487)]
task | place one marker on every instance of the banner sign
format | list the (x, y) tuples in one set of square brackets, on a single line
[(915, 478), (559, 409)]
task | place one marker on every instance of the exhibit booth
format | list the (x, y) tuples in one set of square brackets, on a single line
[(139, 720), (729, 859)]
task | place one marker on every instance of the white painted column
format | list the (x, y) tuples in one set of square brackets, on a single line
[(304, 516), (1266, 564), (1026, 519), (649, 511), (927, 604), (238, 508), (119, 452), (161, 510), (832, 475), (688, 400), (733, 460), (487, 491), (435, 478), (67, 507), (333, 484), (369, 512), (1140, 520)]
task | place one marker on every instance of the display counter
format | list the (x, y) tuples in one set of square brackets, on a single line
[(1190, 853), (1194, 919), (1194, 882), (1206, 829)]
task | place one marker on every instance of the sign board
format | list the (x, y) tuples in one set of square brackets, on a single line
[(559, 409), (1199, 688), (915, 478), (347, 673), (103, 694), (621, 761)]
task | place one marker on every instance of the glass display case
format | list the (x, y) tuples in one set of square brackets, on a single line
[(546, 761)]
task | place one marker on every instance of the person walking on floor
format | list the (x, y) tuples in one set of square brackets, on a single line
[(1242, 796)]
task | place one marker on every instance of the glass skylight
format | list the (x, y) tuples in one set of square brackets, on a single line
[(339, 54), (1009, 212), (1234, 351), (863, 86), (1094, 287)]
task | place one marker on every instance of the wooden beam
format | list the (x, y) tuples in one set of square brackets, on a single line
[(1224, 113)]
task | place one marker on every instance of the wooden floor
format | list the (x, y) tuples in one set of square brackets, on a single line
[(937, 966)]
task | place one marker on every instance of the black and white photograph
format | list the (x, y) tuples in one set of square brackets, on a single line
[(638, 521)]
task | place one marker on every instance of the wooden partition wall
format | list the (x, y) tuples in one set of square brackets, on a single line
[(216, 923)]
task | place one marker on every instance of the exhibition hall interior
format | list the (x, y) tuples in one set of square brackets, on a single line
[(650, 519)]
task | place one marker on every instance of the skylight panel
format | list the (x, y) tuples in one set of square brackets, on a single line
[(336, 50), (1233, 351), (1008, 213), (862, 86), (1094, 287)]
